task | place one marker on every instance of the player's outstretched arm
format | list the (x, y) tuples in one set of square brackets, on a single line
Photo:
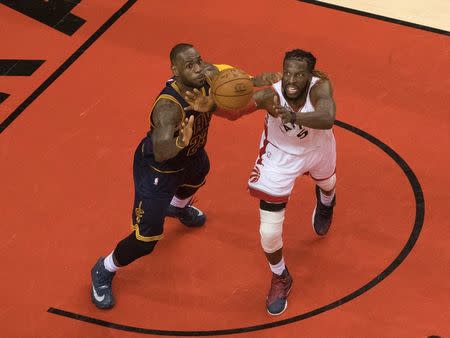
[(325, 108), (262, 99), (260, 80), (167, 119), (266, 79)]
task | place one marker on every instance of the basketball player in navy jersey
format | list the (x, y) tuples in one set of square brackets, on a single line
[(170, 165)]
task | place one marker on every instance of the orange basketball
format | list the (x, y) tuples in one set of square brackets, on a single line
[(232, 89)]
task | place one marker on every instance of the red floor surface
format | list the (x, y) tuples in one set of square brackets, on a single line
[(66, 180)]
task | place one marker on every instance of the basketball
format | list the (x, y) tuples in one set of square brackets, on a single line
[(232, 89)]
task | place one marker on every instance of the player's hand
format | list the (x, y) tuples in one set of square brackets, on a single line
[(186, 130), (198, 101), (266, 79), (284, 113)]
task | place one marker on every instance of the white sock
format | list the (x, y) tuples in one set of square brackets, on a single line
[(109, 263), (326, 200), (279, 267), (176, 202)]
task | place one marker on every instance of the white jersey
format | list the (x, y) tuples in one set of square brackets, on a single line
[(292, 138)]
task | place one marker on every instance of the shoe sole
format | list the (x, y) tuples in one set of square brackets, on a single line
[(285, 305)]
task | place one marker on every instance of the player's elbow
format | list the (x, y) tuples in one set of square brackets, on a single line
[(328, 120), (329, 124), (232, 117), (229, 115)]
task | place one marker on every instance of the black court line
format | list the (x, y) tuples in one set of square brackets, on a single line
[(61, 69), (53, 13), (3, 96), (127, 6), (417, 227), (15, 67), (376, 16)]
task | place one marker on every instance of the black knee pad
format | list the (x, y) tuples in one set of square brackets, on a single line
[(271, 206), (130, 248)]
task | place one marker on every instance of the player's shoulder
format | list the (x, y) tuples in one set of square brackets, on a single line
[(322, 82), (321, 78), (213, 69), (167, 102)]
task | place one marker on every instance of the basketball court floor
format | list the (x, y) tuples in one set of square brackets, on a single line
[(76, 87)]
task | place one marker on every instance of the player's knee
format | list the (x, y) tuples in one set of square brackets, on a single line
[(185, 192), (328, 184), (271, 230), (130, 248)]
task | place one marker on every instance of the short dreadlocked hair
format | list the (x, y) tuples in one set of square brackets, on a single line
[(299, 54)]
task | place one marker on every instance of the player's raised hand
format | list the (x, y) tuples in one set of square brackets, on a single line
[(198, 101), (285, 114), (186, 130), (275, 108)]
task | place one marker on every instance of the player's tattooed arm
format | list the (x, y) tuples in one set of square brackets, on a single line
[(266, 79), (260, 80), (167, 118), (211, 71), (325, 108)]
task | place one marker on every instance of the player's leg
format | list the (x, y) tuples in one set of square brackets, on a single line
[(153, 192), (194, 177), (148, 230), (272, 184), (323, 174), (271, 230)]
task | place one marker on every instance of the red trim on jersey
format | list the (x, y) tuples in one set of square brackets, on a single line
[(266, 197), (262, 150)]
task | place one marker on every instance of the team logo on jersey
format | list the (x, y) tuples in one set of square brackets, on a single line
[(139, 213), (255, 174), (292, 129)]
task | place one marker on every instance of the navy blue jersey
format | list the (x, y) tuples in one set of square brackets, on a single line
[(200, 130)]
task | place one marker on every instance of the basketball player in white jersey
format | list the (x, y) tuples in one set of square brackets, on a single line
[(297, 140)]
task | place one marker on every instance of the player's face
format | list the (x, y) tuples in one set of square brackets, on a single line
[(189, 68), (296, 77)]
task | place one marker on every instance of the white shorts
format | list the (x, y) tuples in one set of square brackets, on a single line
[(273, 177)]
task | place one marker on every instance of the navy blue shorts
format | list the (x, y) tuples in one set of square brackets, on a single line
[(154, 189)]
